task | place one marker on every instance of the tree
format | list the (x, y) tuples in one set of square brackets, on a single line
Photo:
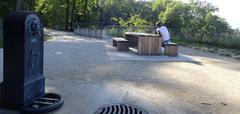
[(53, 13), (26, 5), (87, 12), (7, 6), (72, 14), (19, 5), (67, 16)]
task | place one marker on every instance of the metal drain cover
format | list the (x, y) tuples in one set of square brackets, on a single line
[(46, 103), (120, 109)]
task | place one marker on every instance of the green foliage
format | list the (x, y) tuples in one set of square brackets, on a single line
[(1, 28), (52, 12), (86, 14), (61, 13), (1, 42), (230, 40), (194, 21), (118, 31), (1, 33), (114, 31), (114, 8), (135, 24), (134, 20), (6, 6), (124, 9), (47, 37), (236, 38)]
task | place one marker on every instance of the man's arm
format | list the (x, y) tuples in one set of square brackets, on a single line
[(158, 32)]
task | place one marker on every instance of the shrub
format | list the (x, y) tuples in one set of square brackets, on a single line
[(1, 27), (118, 31)]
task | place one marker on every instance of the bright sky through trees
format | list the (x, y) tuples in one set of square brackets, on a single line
[(228, 9)]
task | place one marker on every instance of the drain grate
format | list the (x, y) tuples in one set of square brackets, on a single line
[(46, 103), (120, 109)]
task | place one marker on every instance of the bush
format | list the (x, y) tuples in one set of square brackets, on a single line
[(114, 31), (1, 27), (224, 40), (236, 39), (118, 31), (1, 43)]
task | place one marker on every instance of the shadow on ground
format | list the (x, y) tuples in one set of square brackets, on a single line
[(80, 69)]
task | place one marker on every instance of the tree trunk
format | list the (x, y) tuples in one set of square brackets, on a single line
[(85, 6), (19, 5), (85, 10), (27, 5), (67, 16), (72, 16), (32, 5)]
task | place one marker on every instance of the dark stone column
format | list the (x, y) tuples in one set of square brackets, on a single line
[(23, 80)]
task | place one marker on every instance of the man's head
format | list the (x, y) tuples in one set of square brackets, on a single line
[(158, 24)]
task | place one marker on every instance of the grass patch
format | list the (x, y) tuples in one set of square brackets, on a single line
[(47, 37), (188, 43), (204, 46)]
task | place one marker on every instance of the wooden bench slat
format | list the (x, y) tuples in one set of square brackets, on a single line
[(171, 49), (119, 39), (171, 44), (121, 44)]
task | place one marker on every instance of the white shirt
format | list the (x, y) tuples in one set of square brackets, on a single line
[(164, 33)]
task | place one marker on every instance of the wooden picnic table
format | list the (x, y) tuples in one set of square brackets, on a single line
[(145, 43)]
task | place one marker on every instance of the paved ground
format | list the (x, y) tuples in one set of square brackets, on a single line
[(80, 70)]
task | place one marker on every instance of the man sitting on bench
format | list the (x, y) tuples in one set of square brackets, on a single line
[(163, 32), (170, 49)]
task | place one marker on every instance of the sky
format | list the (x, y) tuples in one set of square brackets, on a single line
[(228, 9)]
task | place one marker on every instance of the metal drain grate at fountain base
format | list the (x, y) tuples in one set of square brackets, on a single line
[(120, 109)]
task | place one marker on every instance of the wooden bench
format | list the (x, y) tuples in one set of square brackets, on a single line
[(171, 49), (121, 44)]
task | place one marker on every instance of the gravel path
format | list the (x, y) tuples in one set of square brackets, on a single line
[(80, 69)]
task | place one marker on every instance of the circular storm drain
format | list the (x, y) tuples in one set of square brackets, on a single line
[(44, 104), (120, 109)]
